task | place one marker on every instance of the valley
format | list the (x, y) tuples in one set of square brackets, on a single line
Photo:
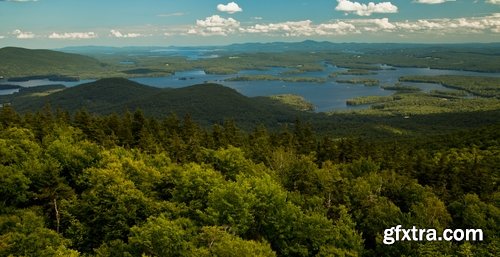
[(254, 74)]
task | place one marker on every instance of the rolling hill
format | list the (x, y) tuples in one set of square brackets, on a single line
[(212, 103), (15, 62), (206, 103)]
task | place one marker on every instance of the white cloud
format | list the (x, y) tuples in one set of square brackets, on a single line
[(23, 35), (217, 21), (365, 9), (215, 25), (118, 34), (73, 35), (468, 25), (336, 28), (375, 25), (493, 1), (302, 28), (432, 1), (2, 37), (229, 8), (289, 28)]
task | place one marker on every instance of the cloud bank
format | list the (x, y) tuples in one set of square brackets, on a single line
[(118, 34), (215, 25), (23, 35), (73, 35)]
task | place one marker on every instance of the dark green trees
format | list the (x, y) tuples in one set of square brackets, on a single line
[(130, 185)]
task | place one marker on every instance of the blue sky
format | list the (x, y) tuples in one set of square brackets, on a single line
[(58, 23)]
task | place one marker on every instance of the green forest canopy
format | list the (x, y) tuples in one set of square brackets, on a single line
[(130, 185)]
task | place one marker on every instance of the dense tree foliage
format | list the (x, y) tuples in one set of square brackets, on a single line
[(131, 185), (479, 86)]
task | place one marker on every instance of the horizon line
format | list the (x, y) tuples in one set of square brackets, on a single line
[(271, 42)]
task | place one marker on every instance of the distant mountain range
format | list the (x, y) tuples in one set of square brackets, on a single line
[(308, 45)]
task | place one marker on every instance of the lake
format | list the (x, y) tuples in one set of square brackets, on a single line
[(8, 91), (327, 96)]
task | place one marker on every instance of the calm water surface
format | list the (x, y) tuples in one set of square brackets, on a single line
[(325, 96), (8, 91)]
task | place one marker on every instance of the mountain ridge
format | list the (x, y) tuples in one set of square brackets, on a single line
[(207, 103), (17, 61), (306, 45)]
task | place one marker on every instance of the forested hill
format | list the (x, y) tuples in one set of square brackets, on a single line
[(129, 185), (212, 103), (15, 61), (206, 103)]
